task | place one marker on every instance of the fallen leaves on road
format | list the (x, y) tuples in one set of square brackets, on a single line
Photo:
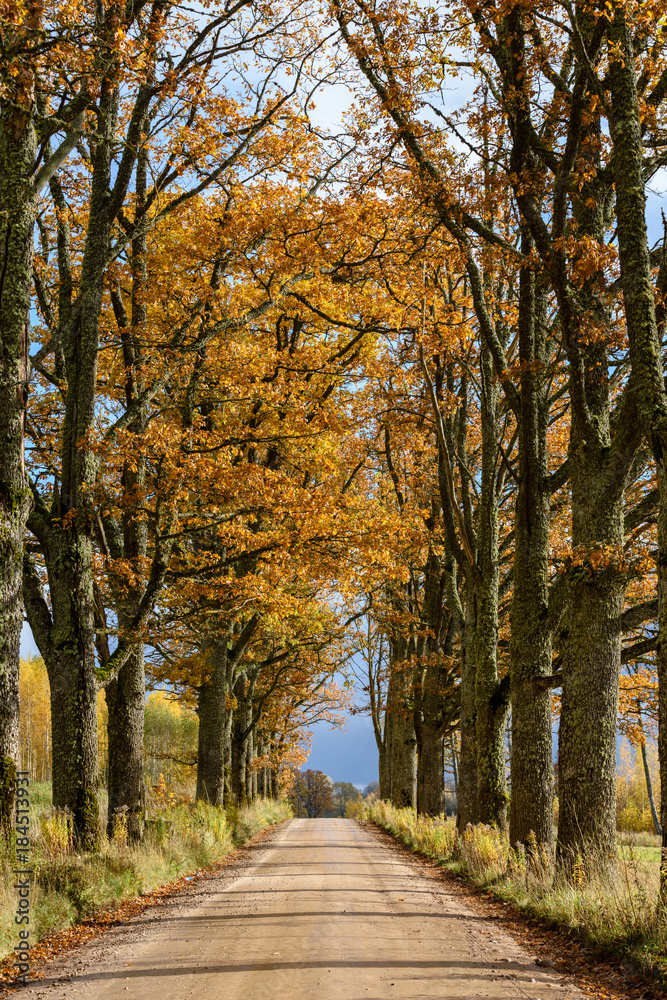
[(51, 947)]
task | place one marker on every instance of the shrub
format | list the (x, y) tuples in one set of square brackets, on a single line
[(611, 902)]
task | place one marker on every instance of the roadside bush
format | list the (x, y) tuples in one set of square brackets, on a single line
[(610, 902), (180, 837)]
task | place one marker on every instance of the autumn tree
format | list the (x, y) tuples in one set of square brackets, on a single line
[(311, 793), (119, 206), (342, 793), (551, 158), (29, 127)]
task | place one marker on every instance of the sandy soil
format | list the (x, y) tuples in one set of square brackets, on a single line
[(322, 909)]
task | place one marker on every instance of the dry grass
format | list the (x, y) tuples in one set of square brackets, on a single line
[(181, 837), (612, 906)]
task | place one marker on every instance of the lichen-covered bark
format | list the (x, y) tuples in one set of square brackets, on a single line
[(214, 727), (125, 701), (437, 703), (239, 754), (404, 762), (66, 639), (467, 800), (490, 697), (17, 216), (385, 758), (645, 329), (531, 806), (126, 695), (403, 739), (431, 770)]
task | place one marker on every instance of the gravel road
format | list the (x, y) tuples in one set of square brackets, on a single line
[(323, 909)]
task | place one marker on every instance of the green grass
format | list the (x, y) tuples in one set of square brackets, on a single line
[(68, 887), (613, 908)]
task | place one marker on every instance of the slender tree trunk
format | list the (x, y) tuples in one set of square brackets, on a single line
[(649, 791), (126, 695), (490, 695), (17, 216), (455, 764), (467, 801)]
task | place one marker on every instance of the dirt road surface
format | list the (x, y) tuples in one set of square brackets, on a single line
[(326, 909)]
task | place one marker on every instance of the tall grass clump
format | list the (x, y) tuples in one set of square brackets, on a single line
[(180, 837), (610, 902)]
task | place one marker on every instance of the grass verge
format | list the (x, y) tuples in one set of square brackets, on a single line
[(67, 887), (611, 908)]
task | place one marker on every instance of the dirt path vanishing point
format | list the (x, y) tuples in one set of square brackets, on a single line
[(325, 910)]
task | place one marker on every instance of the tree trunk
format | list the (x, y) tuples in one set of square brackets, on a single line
[(591, 651), (649, 791), (490, 694), (214, 728), (126, 695), (125, 702), (431, 770), (383, 780), (646, 328), (17, 216), (65, 637), (404, 761), (531, 803), (238, 743), (467, 810)]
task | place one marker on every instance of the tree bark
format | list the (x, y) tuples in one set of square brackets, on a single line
[(404, 762), (431, 770), (125, 702), (238, 743), (591, 650), (531, 803), (214, 727), (645, 328), (17, 216), (467, 810)]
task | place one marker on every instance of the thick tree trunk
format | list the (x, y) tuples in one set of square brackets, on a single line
[(404, 761), (591, 651), (662, 672), (646, 328), (214, 728), (403, 764), (125, 702), (238, 743), (531, 804), (17, 216), (431, 770), (66, 640)]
